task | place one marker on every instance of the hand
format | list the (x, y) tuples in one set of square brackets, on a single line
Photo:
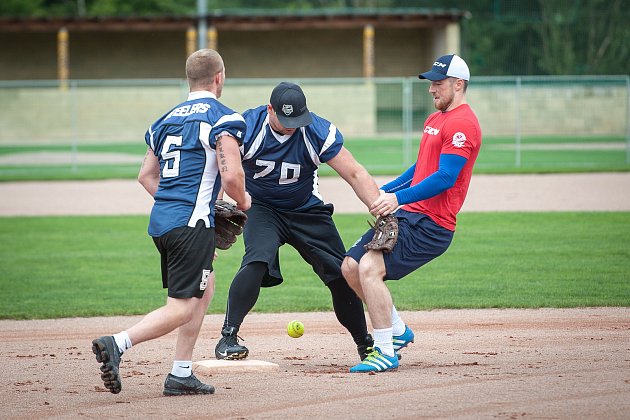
[(385, 204), (246, 203)]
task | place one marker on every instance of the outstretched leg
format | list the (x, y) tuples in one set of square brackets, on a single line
[(242, 297)]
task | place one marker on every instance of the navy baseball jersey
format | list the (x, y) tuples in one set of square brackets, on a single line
[(184, 141), (281, 170)]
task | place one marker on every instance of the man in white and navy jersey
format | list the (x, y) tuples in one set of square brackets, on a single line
[(282, 151), (193, 151)]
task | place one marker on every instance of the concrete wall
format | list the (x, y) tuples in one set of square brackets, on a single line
[(101, 114), (247, 54), (551, 110), (351, 106), (123, 114)]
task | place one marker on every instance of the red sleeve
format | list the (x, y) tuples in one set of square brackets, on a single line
[(460, 136)]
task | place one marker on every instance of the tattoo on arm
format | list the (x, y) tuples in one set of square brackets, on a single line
[(221, 154), (145, 160)]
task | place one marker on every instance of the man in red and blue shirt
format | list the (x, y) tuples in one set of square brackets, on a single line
[(430, 194)]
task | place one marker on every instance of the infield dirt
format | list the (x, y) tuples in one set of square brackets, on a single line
[(557, 192), (491, 363), (507, 364)]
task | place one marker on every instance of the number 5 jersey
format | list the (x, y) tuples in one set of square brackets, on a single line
[(184, 141)]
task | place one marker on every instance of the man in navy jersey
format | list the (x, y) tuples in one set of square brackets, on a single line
[(283, 148), (193, 152)]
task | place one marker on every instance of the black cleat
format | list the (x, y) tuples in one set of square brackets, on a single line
[(175, 385), (365, 348), (228, 348), (107, 353)]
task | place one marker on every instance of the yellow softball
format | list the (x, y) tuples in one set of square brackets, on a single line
[(295, 329)]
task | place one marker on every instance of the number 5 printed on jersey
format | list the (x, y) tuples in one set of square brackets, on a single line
[(171, 157)]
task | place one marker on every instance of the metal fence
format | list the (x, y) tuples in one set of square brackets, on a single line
[(522, 118)]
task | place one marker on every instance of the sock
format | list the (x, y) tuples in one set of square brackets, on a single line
[(383, 340), (123, 341), (398, 325), (182, 368)]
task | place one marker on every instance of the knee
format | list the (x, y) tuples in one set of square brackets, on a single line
[(348, 266), (371, 267), (350, 270), (187, 313), (183, 310)]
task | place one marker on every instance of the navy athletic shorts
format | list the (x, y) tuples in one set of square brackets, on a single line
[(311, 232), (187, 255), (420, 240)]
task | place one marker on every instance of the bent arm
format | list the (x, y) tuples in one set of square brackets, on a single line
[(436, 183), (231, 170), (355, 175), (149, 176), (403, 181)]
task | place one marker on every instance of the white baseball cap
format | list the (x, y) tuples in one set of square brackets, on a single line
[(450, 65)]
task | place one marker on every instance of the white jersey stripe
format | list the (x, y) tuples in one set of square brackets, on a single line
[(316, 192), (151, 138), (332, 135), (311, 151), (229, 118), (257, 141), (206, 186)]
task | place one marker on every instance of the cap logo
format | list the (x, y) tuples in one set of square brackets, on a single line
[(437, 63), (287, 109)]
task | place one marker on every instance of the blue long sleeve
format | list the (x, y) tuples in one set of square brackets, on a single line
[(436, 183), (403, 181)]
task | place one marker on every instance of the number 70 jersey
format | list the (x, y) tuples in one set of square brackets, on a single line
[(281, 170)]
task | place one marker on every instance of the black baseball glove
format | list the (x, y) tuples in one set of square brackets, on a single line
[(228, 223), (385, 234)]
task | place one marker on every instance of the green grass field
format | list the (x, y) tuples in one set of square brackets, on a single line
[(54, 267), (380, 156)]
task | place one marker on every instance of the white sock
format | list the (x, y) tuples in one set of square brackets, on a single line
[(383, 340), (123, 341), (182, 368), (398, 325)]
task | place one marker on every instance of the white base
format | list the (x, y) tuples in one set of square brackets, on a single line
[(247, 365)]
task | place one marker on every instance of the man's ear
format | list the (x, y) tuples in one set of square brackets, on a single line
[(459, 84), (217, 78)]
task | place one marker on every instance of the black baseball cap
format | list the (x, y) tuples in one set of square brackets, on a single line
[(450, 65), (289, 103)]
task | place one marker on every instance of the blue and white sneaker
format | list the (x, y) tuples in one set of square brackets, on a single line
[(403, 340), (376, 362)]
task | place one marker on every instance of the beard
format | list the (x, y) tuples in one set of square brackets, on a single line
[(444, 101)]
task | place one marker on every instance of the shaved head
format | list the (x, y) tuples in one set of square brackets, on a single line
[(201, 68)]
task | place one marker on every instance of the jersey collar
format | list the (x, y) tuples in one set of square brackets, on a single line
[(201, 94), (280, 138)]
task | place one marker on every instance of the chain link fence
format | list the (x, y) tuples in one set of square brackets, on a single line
[(529, 123)]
